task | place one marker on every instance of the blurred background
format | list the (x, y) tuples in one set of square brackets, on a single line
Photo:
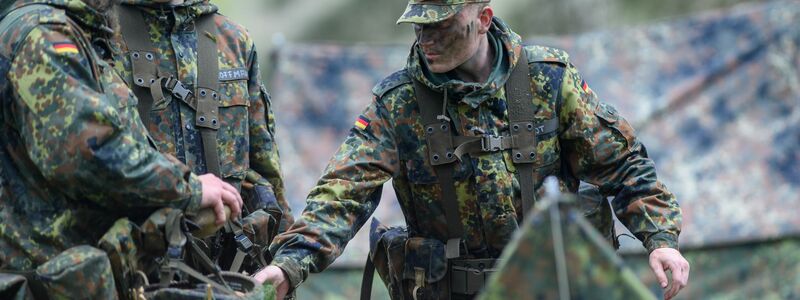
[(711, 86)]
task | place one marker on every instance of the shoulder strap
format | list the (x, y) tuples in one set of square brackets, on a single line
[(439, 138), (520, 114), (525, 129), (207, 117), (148, 83), (144, 65)]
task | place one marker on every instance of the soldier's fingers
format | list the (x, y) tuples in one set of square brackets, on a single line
[(658, 269), (219, 210), (231, 201), (230, 188), (677, 279)]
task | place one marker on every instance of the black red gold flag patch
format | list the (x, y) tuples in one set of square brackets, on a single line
[(362, 123), (65, 47)]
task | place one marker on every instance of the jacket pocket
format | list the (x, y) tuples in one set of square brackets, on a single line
[(233, 137), (611, 118)]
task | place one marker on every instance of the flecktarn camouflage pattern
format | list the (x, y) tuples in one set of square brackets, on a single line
[(558, 254), (139, 254), (74, 156), (245, 140), (387, 142), (432, 11), (729, 72)]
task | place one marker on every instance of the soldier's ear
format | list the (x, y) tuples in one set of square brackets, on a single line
[(485, 16)]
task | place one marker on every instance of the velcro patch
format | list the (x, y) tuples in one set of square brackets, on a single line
[(362, 123), (232, 74), (585, 86), (65, 48)]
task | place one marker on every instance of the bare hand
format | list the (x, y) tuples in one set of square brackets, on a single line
[(663, 259), (218, 194), (275, 276)]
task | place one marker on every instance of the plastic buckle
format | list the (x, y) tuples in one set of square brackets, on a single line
[(492, 143), (243, 243), (179, 90), (174, 252)]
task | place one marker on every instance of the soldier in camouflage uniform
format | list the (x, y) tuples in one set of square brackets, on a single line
[(74, 155), (475, 148), (245, 146), (172, 53)]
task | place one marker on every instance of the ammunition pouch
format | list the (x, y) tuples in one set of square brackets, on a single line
[(244, 246), (425, 269), (468, 276), (417, 268), (387, 254), (80, 272)]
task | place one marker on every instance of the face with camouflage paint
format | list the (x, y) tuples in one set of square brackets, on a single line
[(450, 43)]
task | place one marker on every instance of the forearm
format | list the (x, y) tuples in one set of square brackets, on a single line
[(602, 149)]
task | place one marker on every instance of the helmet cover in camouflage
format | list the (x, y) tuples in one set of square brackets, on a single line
[(432, 11)]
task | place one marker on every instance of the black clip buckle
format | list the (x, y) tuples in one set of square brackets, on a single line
[(492, 143), (243, 243)]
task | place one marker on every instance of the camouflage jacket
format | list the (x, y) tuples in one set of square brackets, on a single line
[(245, 140), (74, 155), (593, 144)]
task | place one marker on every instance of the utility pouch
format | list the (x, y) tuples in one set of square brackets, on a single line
[(387, 252), (468, 276), (425, 268), (258, 195), (81, 272)]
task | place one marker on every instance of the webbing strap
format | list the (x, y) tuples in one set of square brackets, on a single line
[(207, 118), (148, 83), (142, 58), (442, 157), (366, 280), (520, 114)]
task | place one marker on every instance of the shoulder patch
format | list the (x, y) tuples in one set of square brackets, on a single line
[(17, 23), (52, 15), (538, 53), (391, 82)]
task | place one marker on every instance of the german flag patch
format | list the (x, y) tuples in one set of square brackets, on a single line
[(585, 86), (362, 123), (65, 48)]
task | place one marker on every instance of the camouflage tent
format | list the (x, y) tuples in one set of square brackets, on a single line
[(715, 97), (558, 254)]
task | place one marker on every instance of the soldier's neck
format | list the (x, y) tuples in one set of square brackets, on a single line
[(479, 67)]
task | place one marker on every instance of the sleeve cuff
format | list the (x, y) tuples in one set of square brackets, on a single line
[(661, 240), (292, 269), (196, 194)]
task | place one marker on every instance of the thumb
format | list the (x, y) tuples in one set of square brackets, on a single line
[(658, 269)]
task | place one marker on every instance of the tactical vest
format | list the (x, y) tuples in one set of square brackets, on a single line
[(149, 81)]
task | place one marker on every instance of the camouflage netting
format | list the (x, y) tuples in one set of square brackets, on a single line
[(715, 98)]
